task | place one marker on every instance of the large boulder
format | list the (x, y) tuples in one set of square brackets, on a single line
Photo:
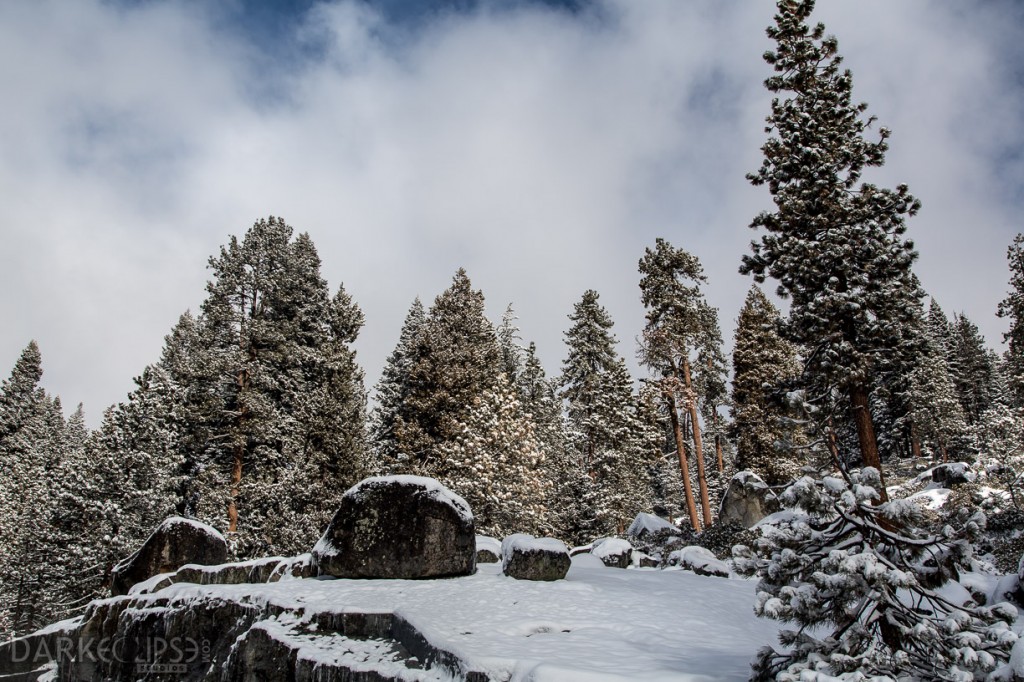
[(525, 557), (176, 542), (747, 500), (646, 526), (404, 527)]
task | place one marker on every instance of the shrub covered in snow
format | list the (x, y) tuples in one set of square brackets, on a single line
[(869, 591)]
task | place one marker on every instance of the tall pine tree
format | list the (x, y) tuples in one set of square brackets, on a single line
[(834, 243)]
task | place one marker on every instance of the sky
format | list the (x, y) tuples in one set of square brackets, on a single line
[(542, 145)]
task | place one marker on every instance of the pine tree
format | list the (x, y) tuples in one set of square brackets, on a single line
[(835, 244), (680, 324), (494, 461), (509, 342), (862, 581), (936, 413), (457, 359), (764, 363), (392, 389), (973, 368), (31, 434), (602, 422), (1012, 307), (274, 390)]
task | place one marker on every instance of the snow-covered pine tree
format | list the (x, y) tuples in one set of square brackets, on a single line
[(602, 422), (679, 327), (391, 391), (274, 388), (867, 588), (510, 343), (31, 435), (494, 461), (974, 368), (457, 359), (936, 414), (834, 243), (764, 363), (1012, 308)]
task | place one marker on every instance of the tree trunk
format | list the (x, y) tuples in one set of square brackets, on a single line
[(702, 480), (684, 467), (718, 442), (915, 443), (238, 456), (866, 433)]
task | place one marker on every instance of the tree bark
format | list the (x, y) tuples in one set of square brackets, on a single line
[(238, 456), (702, 480), (866, 433), (684, 467), (915, 443)]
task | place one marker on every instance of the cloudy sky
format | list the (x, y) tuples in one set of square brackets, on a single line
[(540, 144)]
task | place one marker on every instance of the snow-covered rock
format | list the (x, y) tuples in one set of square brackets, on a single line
[(747, 500), (488, 550), (525, 557), (953, 473), (646, 525), (614, 552), (403, 527), (175, 542), (700, 560)]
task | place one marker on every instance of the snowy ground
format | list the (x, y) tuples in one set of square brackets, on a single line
[(600, 624)]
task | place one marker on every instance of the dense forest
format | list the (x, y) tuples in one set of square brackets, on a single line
[(255, 418)]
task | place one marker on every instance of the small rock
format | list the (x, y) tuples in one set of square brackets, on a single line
[(953, 473), (525, 557), (700, 560), (488, 550), (614, 552), (176, 542)]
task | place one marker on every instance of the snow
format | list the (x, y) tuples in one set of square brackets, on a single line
[(933, 498), (649, 523), (527, 543), (434, 489), (596, 625)]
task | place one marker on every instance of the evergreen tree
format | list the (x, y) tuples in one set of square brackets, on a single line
[(494, 461), (936, 413), (457, 359), (274, 391), (835, 244), (1012, 307), (973, 368), (509, 342), (392, 390), (602, 422), (31, 434), (763, 364), (680, 326)]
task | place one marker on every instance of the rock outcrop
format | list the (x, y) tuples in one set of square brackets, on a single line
[(405, 527), (176, 542), (747, 500), (525, 557)]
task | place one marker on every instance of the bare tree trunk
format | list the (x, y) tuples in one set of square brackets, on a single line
[(702, 480), (866, 433), (684, 467), (718, 442), (915, 443)]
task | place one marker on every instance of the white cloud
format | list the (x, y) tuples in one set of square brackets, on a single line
[(541, 150)]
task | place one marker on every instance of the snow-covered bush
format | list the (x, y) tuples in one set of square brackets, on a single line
[(870, 592)]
